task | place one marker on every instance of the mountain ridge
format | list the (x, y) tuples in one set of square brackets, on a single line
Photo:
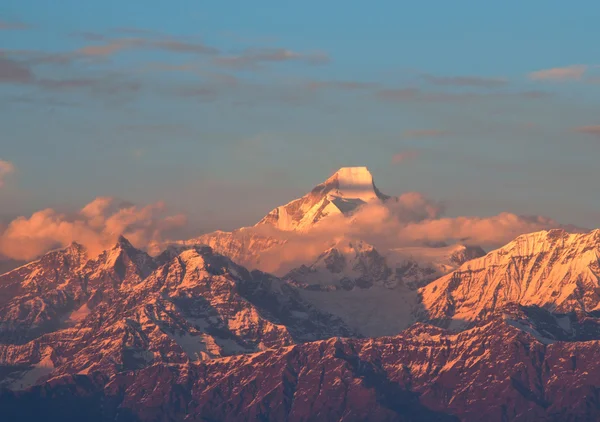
[(553, 269), (121, 310), (424, 373)]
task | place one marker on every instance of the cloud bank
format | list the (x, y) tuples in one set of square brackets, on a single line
[(410, 219), (97, 226)]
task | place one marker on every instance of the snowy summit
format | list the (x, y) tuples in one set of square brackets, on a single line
[(342, 193)]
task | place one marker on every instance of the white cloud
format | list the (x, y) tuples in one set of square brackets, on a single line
[(97, 226)]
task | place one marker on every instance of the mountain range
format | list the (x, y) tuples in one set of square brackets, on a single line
[(302, 317)]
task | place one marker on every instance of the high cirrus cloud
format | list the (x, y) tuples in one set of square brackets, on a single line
[(568, 73), (97, 226)]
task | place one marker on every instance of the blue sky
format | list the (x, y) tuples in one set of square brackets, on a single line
[(226, 109)]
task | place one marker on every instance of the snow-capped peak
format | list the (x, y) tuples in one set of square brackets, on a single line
[(342, 193), (123, 243), (353, 183)]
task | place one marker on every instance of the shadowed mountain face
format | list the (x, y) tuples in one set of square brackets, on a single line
[(423, 374), (10, 264)]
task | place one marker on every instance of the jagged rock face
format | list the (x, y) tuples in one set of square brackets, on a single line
[(37, 297), (342, 193), (126, 312), (552, 269), (34, 297), (423, 374)]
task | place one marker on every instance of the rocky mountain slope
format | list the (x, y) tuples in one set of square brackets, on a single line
[(553, 269), (66, 314), (422, 374)]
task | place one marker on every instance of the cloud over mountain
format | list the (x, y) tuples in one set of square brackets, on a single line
[(410, 219), (97, 226)]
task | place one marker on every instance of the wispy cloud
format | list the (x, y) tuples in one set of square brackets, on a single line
[(12, 26), (137, 31), (66, 83), (568, 73), (399, 94), (182, 46), (109, 84), (465, 81), (106, 49), (32, 58), (97, 226), (341, 85), (416, 94), (115, 45), (12, 71), (593, 130), (88, 36), (404, 156), (424, 133), (253, 57), (6, 168), (203, 93)]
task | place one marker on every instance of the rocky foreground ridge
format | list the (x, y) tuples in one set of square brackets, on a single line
[(519, 364)]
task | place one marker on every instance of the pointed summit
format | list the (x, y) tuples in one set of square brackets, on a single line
[(123, 243), (342, 193), (354, 183), (76, 248)]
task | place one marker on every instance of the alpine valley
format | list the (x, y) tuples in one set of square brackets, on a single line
[(309, 315)]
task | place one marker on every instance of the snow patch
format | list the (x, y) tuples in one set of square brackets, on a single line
[(80, 314), (30, 377)]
